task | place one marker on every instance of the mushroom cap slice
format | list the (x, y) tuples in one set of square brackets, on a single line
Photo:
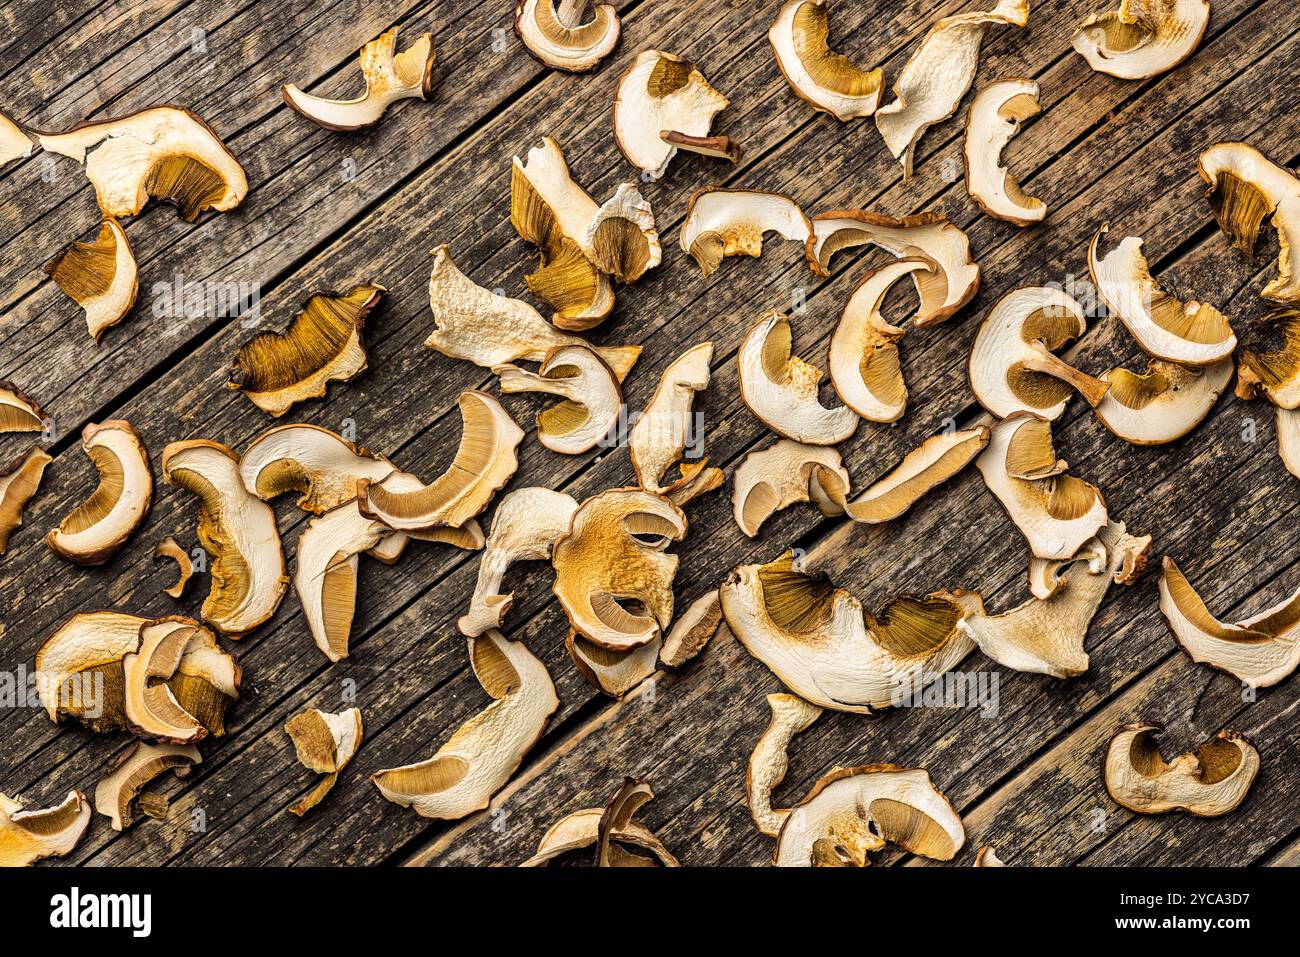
[(320, 465), (14, 141), (166, 648), (927, 466), (79, 668), (852, 812), (781, 390), (324, 742), (661, 92), (581, 829), (390, 76), (1288, 439), (692, 630), (783, 474), (658, 437), (1047, 575), (988, 857), (168, 548), (593, 399), (101, 277), (131, 770), (165, 153), (1207, 782), (28, 836), (576, 47), (18, 483), (614, 673), (768, 762), (724, 222), (1274, 374), (621, 238), (482, 754), (94, 531), (1142, 38), (1163, 403), (237, 529), (18, 411), (826, 79), (994, 118)]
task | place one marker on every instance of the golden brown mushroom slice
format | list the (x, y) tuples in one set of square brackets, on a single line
[(768, 763), (1210, 781), (827, 80), (93, 532), (724, 222), (614, 673), (631, 796), (178, 665), (988, 857), (116, 794), (621, 238), (659, 436), (390, 76), (325, 742), (561, 35), (613, 829), (18, 483), (661, 92), (320, 465), (592, 398), (19, 412), (783, 474), (164, 153), (692, 630), (994, 118), (168, 548), (27, 836), (1274, 374), (933, 462), (101, 277), (853, 812), (1142, 38), (79, 668), (1162, 404), (14, 141)]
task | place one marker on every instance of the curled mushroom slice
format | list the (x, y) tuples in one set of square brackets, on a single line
[(320, 465), (390, 76), (101, 277), (659, 436), (1012, 366), (1142, 38), (731, 222), (781, 390), (1162, 404), (164, 153), (93, 532), (613, 672), (482, 754), (1288, 439), (18, 483), (994, 118), (927, 466), (988, 857), (178, 665), (1208, 782), (768, 763), (590, 390), (621, 238), (719, 147), (325, 743), (581, 829), (826, 79), (14, 141), (661, 92), (116, 794), (781, 475), (18, 412), (561, 35), (1275, 374), (692, 630), (937, 76), (79, 668), (237, 529), (1047, 576), (168, 548), (28, 836), (852, 812)]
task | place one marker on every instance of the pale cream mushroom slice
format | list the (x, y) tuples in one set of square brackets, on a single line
[(79, 668), (1288, 439), (781, 390), (937, 76), (768, 762), (237, 529), (592, 400), (1047, 575), (692, 630), (724, 222), (14, 141), (101, 277), (481, 755), (1142, 38), (661, 92), (321, 466), (718, 147), (827, 80), (1274, 374), (164, 153), (390, 76), (18, 411), (929, 465), (660, 434), (782, 475), (581, 829), (1162, 404), (116, 794), (994, 118), (93, 532), (1012, 363), (614, 673), (169, 549), (26, 836), (572, 35), (324, 742), (621, 238), (853, 812), (19, 481), (177, 666), (1210, 781), (988, 857)]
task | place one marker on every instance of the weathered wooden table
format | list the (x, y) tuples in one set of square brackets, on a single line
[(327, 210)]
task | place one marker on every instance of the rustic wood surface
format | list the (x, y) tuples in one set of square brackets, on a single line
[(326, 210)]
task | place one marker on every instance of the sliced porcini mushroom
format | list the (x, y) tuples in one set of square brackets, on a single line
[(719, 147), (320, 465), (692, 630), (988, 857), (164, 153), (631, 796), (18, 483), (177, 665), (482, 754), (390, 76), (661, 92), (852, 812), (1012, 366), (93, 532), (927, 466), (781, 390), (826, 79), (814, 637), (484, 462), (392, 545), (324, 742), (28, 836), (14, 141), (609, 828), (79, 668), (592, 397), (168, 549), (1142, 38), (1056, 514), (1163, 403), (561, 35), (237, 529), (116, 794), (1208, 782), (18, 412), (101, 277), (1046, 636), (658, 437), (1047, 576), (732, 222), (1274, 374), (937, 76), (768, 763), (1245, 189), (613, 672), (1288, 439), (994, 118), (621, 238), (781, 475)]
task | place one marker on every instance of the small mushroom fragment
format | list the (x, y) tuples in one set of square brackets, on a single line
[(659, 436), (609, 827), (560, 35), (168, 648), (479, 758), (168, 548), (994, 118), (826, 79), (320, 465), (93, 532), (590, 390), (1012, 366), (783, 474), (79, 668), (615, 673), (631, 796), (781, 390), (18, 483), (164, 153), (768, 763), (988, 857), (724, 222), (28, 836), (927, 466), (153, 805), (101, 277), (116, 795), (390, 76), (325, 743), (852, 812), (18, 412), (1274, 374), (1047, 576), (692, 630), (1208, 782), (1288, 439), (1162, 404), (937, 76), (719, 147), (661, 93), (14, 141), (1142, 38)]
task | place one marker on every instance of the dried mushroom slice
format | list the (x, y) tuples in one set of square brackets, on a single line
[(79, 668), (988, 857), (994, 118), (116, 794), (614, 673), (661, 93), (168, 648), (560, 34), (1162, 404), (692, 630), (390, 76), (927, 466), (1210, 781), (18, 412), (324, 742), (14, 141), (732, 222), (168, 549), (781, 390), (581, 829), (659, 436), (612, 574), (237, 529), (93, 532), (28, 836), (592, 397), (321, 466), (164, 153), (937, 76), (631, 796), (1047, 575), (18, 483), (791, 715), (482, 754), (853, 812), (826, 79), (783, 474), (718, 147), (101, 277), (1142, 38), (621, 238), (1288, 439), (1274, 374)]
